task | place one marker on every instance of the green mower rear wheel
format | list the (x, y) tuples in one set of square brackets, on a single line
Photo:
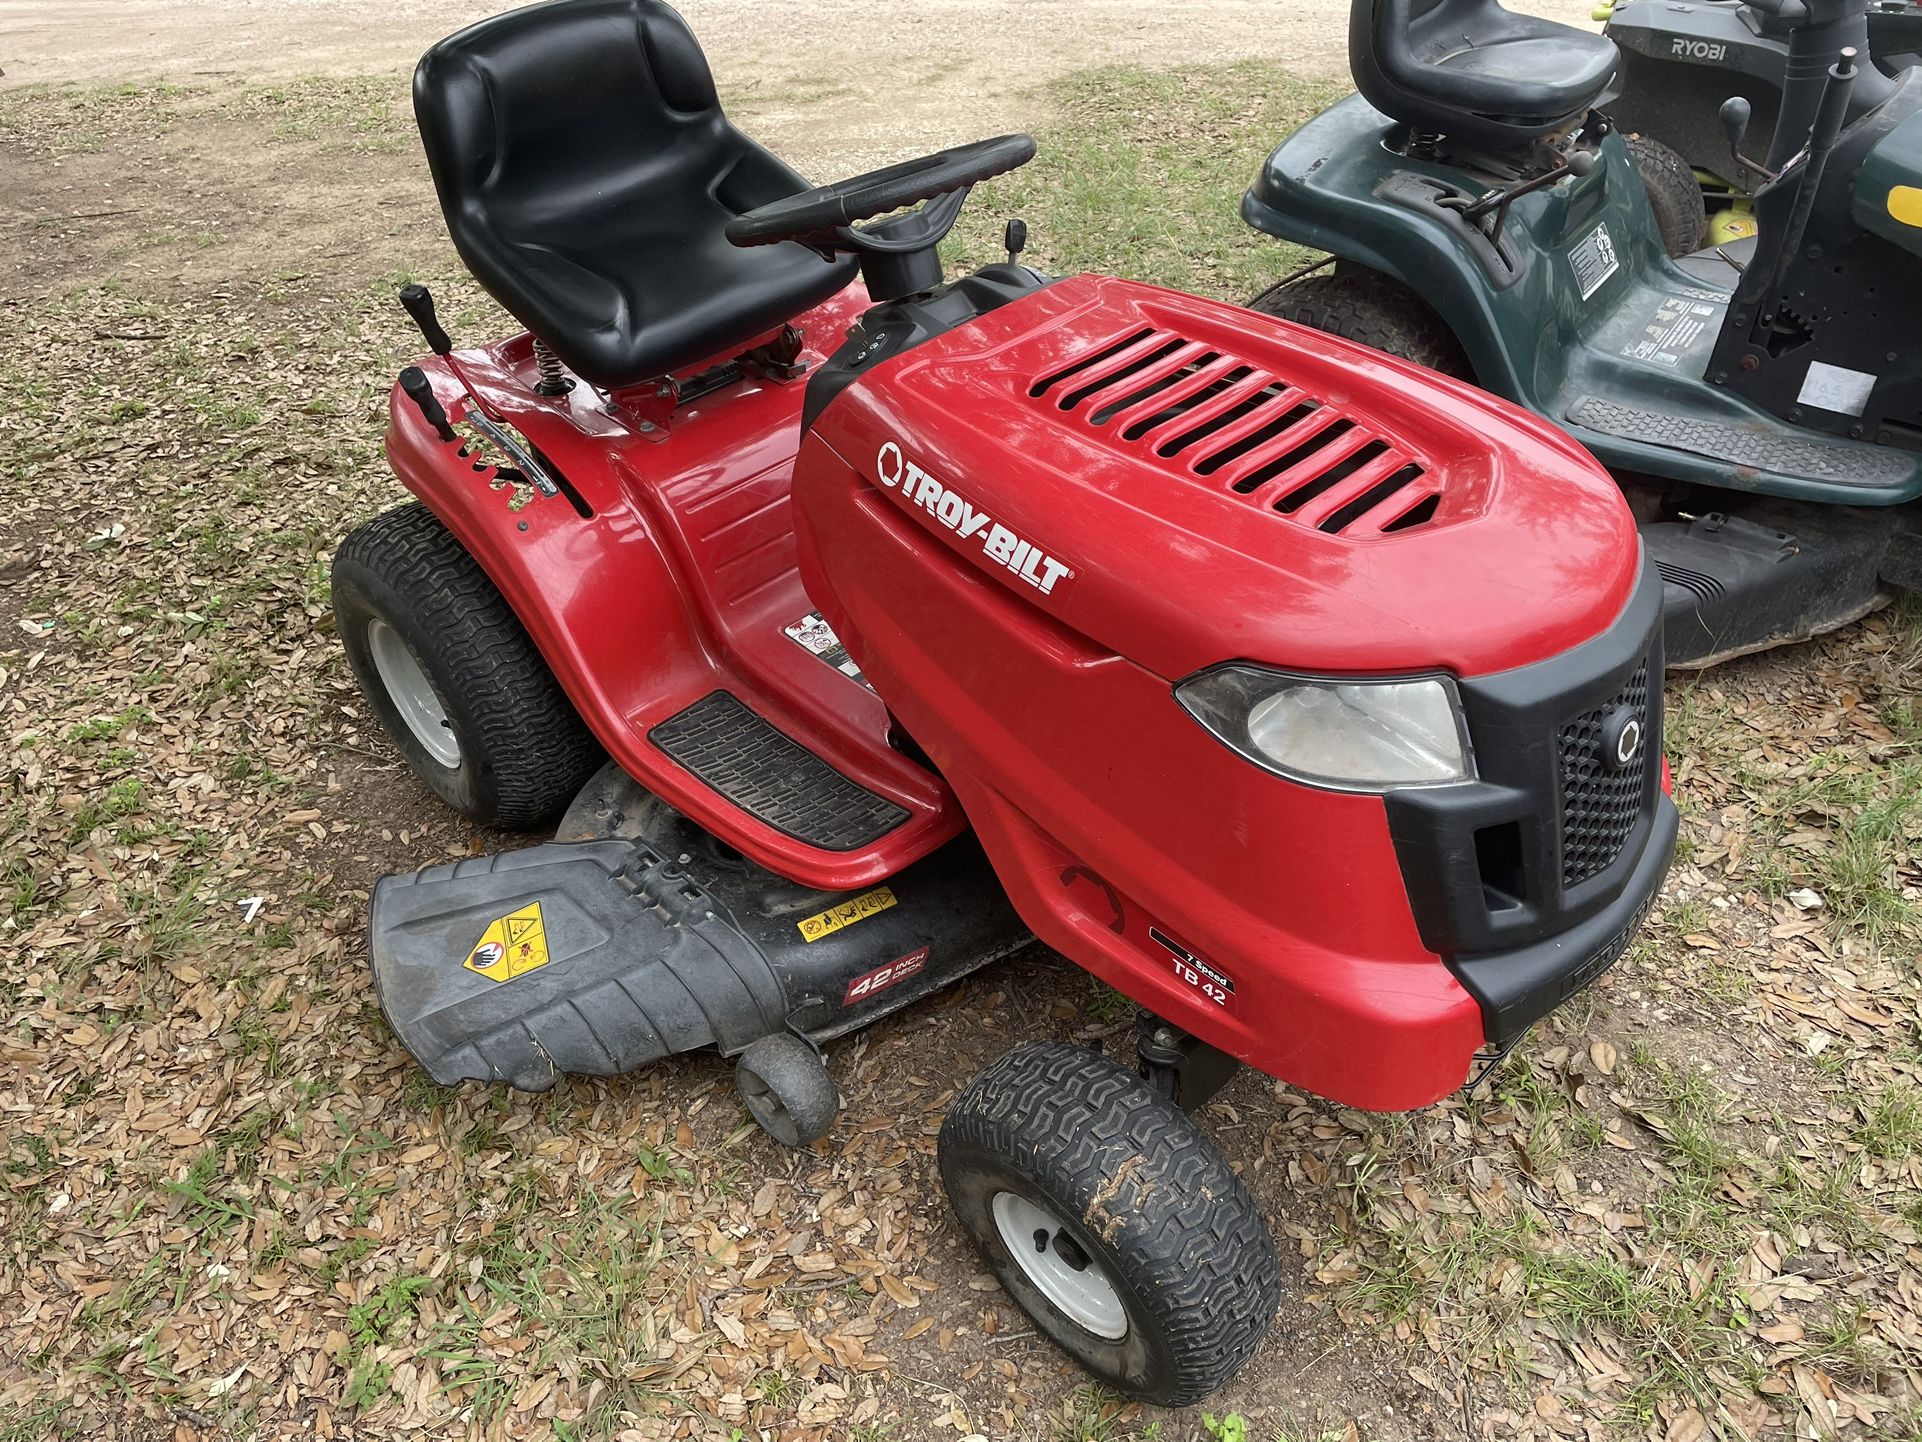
[(1674, 194), (453, 675), (1112, 1220), (1365, 306)]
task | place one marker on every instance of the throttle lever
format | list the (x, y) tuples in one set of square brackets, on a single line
[(418, 302), (414, 382), (1734, 116)]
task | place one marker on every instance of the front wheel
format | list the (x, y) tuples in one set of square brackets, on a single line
[(1114, 1223)]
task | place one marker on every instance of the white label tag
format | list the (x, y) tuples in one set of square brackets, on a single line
[(1594, 260), (1836, 388), (813, 634)]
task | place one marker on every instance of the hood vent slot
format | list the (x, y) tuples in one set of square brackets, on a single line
[(1187, 403), (1153, 388), (1260, 436), (1288, 459), (1247, 406), (1087, 362), (1340, 471), (1375, 495), (1274, 435), (1419, 514)]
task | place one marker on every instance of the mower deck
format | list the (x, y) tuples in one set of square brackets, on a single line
[(592, 957)]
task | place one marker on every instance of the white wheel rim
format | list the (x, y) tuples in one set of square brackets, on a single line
[(1065, 1274), (412, 693)]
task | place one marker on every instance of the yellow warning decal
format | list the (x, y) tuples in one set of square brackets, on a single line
[(858, 908), (512, 946), (1905, 204)]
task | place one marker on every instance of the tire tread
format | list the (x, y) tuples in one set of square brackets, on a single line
[(1673, 194), (1207, 1261), (535, 747), (1374, 310)]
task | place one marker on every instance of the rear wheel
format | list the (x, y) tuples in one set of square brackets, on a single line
[(454, 677), (1674, 194), (1370, 308), (1114, 1223)]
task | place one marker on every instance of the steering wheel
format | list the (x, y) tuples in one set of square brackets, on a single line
[(825, 217)]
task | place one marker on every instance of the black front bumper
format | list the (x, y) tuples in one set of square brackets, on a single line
[(1531, 880), (1517, 988)]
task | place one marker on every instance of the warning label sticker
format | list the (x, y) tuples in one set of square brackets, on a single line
[(1672, 331), (1594, 260), (512, 946), (858, 908), (813, 635)]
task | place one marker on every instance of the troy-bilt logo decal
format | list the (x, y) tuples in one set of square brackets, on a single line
[(870, 983), (1210, 981), (916, 487)]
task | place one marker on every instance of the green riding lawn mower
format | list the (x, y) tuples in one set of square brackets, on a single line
[(1681, 63), (1759, 400)]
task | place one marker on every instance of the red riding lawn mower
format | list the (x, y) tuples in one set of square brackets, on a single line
[(860, 626)]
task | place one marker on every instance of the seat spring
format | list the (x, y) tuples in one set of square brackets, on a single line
[(552, 380)]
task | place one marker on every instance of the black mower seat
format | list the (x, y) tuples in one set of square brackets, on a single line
[(1470, 69), (586, 170)]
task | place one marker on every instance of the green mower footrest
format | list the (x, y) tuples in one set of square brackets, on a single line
[(1745, 445), (589, 958)]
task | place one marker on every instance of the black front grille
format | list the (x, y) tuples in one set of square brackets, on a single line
[(1601, 801)]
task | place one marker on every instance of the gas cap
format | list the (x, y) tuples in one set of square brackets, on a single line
[(1622, 738)]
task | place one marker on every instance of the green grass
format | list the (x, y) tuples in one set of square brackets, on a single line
[(1487, 1273), (49, 1421), (1141, 176), (386, 1315), (1093, 1413), (585, 1288), (1891, 1122)]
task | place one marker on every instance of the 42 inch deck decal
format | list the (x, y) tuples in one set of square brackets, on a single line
[(950, 508)]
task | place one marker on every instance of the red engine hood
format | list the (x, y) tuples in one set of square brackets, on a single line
[(1185, 482)]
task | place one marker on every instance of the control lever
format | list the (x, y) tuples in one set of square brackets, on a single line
[(1577, 163), (418, 302), (1815, 160), (414, 382), (529, 468), (1734, 116), (1015, 237)]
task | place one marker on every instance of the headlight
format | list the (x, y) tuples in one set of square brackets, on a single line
[(1352, 735)]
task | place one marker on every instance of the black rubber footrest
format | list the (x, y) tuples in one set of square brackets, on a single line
[(1744, 446), (772, 777)]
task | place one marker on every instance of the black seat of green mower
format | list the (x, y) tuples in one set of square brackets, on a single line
[(586, 170), (1470, 69)]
